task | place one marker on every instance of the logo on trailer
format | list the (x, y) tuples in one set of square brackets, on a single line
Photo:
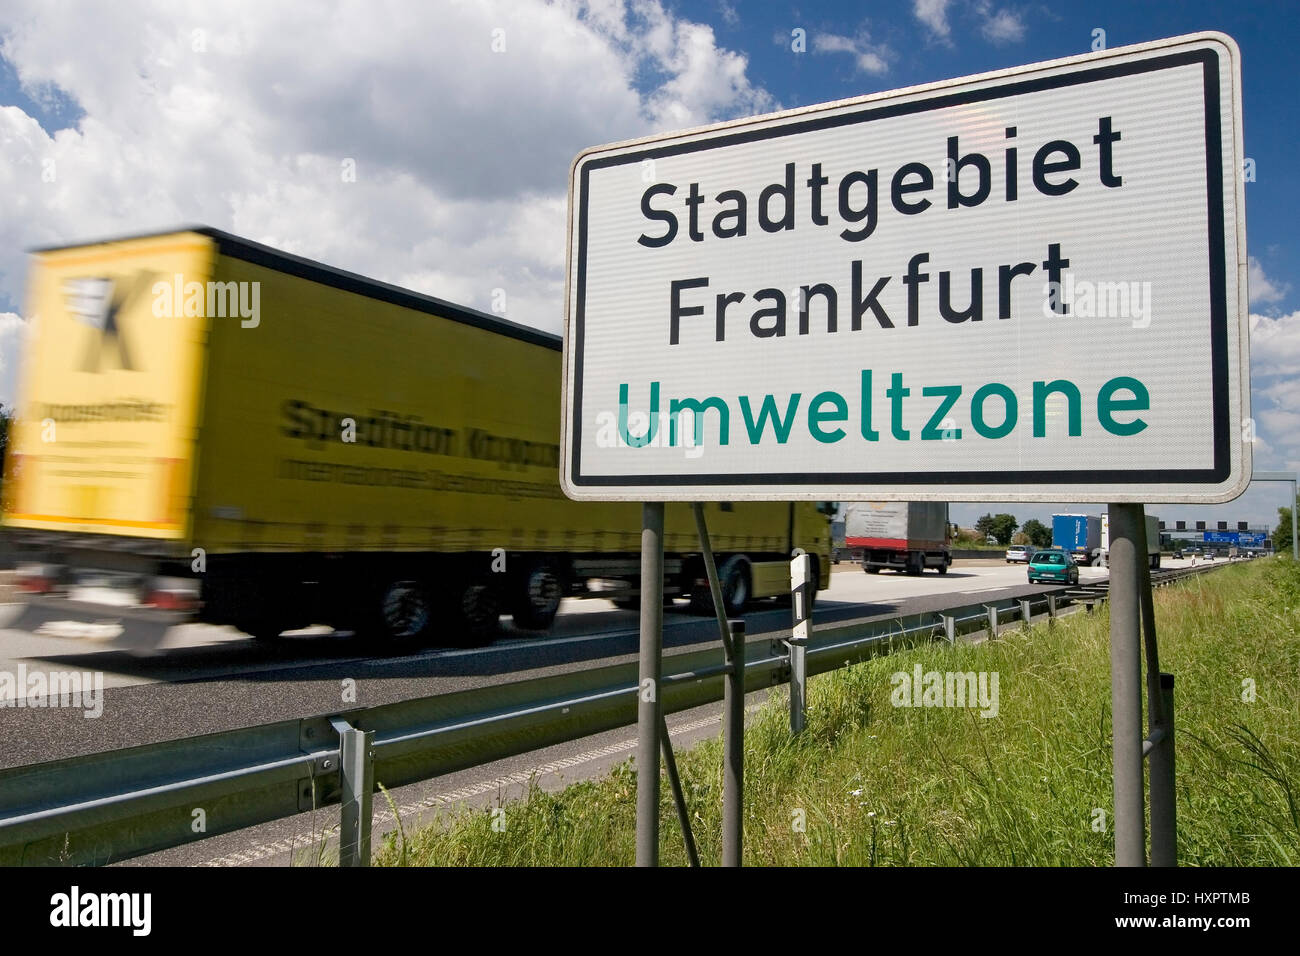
[(98, 301)]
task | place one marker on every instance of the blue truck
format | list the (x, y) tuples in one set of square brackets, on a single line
[(1078, 535)]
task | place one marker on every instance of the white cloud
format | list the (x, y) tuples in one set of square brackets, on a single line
[(12, 332), (1261, 288), (934, 15), (1275, 345), (873, 58), (1275, 389), (705, 82), (1283, 392), (1003, 27), (998, 25), (241, 116)]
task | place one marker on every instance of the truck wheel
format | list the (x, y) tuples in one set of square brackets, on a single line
[(915, 567), (475, 614), (536, 598), (870, 570), (405, 613), (733, 578), (943, 568)]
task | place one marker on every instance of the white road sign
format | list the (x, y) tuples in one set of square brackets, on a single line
[(1026, 285)]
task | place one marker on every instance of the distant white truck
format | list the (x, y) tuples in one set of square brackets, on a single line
[(1153, 540), (907, 536)]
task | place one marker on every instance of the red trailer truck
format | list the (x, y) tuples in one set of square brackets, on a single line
[(907, 536)]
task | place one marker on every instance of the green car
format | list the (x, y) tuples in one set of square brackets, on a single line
[(1054, 566)]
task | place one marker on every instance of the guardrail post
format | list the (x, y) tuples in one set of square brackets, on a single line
[(733, 743), (649, 712), (949, 628), (798, 643), (1051, 607), (992, 611), (357, 780), (1164, 816), (1026, 612)]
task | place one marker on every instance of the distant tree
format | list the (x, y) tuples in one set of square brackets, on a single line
[(984, 526), (1282, 533), (1020, 538), (1004, 526), (1039, 534)]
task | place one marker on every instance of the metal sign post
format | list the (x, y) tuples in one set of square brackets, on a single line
[(649, 714), (1132, 613), (733, 745), (732, 633), (1127, 529)]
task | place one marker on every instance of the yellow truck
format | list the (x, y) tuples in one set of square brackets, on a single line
[(275, 443)]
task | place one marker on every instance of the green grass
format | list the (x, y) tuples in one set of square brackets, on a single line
[(880, 785)]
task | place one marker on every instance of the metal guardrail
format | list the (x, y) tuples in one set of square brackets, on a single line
[(106, 807)]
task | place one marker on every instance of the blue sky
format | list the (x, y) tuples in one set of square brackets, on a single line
[(157, 114)]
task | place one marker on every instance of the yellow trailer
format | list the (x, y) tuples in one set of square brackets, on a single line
[(310, 446)]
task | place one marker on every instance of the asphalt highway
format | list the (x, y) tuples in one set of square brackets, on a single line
[(197, 679)]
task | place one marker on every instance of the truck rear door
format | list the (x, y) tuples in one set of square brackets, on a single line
[(103, 439)]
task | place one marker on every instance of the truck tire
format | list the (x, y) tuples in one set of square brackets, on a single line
[(474, 615), (733, 579), (264, 611), (943, 568), (870, 569), (535, 597), (915, 565), (403, 613)]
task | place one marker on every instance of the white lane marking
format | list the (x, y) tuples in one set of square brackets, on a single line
[(80, 630), (261, 851)]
